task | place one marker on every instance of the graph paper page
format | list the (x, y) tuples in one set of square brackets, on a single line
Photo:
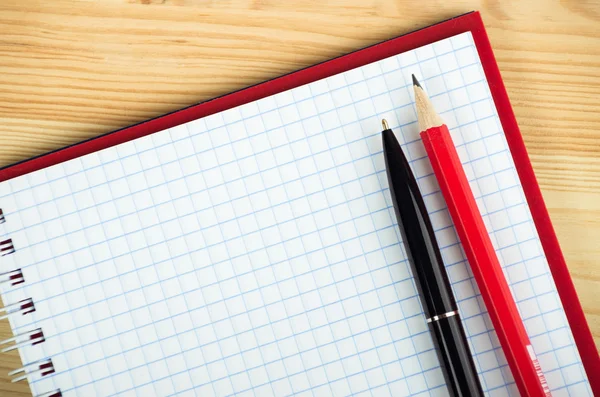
[(256, 251)]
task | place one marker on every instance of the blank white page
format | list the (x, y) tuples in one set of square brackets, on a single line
[(256, 251)]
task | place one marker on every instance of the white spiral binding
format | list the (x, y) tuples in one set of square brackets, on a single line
[(13, 277), (32, 337), (24, 307), (42, 367)]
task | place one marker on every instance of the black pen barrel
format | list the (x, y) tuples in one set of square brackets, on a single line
[(417, 232), (430, 274), (455, 356)]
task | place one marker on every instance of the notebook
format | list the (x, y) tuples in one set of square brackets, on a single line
[(254, 251)]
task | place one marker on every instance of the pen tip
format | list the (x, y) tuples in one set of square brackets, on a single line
[(415, 81), (384, 124)]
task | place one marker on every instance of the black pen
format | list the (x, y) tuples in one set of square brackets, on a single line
[(428, 269)]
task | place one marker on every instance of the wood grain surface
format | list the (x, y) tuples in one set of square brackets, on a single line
[(71, 70)]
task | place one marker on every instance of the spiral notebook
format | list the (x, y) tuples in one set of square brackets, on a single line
[(248, 246)]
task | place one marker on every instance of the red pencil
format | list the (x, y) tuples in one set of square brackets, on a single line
[(479, 250)]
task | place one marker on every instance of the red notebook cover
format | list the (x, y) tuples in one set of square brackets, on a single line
[(469, 22)]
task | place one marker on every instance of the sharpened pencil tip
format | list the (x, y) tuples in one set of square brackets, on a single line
[(384, 124), (415, 81)]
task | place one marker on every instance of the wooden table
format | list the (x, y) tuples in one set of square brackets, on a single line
[(71, 70)]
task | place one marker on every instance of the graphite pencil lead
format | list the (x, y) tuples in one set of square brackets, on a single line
[(415, 81), (426, 113)]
